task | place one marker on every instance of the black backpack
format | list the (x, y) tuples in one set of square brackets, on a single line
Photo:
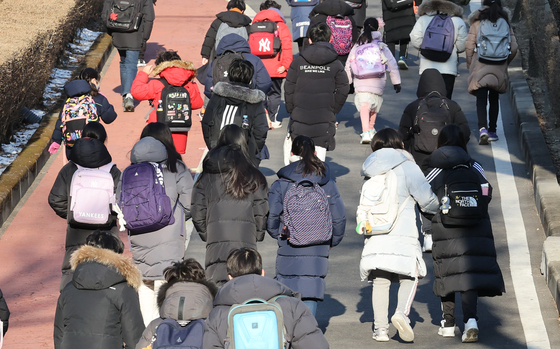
[(462, 202), (431, 116), (174, 107), (221, 65), (124, 15), (398, 5)]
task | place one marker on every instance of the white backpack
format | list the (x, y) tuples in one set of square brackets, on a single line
[(379, 204), (493, 41)]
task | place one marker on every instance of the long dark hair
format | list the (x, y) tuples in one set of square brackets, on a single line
[(161, 132), (493, 11), (452, 135), (304, 147), (233, 135), (370, 25), (386, 138)]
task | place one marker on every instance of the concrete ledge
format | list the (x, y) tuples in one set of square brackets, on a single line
[(543, 173), (21, 173)]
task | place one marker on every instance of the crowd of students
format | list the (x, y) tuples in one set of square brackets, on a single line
[(231, 204)]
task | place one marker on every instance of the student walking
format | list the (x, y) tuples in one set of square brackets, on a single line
[(394, 256), (490, 46), (440, 19), (399, 22), (366, 66), (154, 251), (299, 15), (463, 252), (4, 315), (229, 202), (304, 268)]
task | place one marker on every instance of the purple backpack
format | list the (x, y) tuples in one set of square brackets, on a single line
[(341, 28), (439, 39), (144, 203), (307, 216)]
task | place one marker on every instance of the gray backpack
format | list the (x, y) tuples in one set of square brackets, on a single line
[(493, 41), (225, 29)]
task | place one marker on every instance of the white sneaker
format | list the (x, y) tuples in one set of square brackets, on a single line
[(428, 243), (402, 323), (446, 332), (381, 335), (470, 335), (366, 138)]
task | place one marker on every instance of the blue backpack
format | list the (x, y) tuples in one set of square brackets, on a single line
[(170, 334), (144, 204), (439, 39)]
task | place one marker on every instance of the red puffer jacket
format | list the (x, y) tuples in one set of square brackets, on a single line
[(284, 58)]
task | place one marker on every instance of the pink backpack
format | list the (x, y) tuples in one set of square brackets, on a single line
[(341, 28), (92, 193)]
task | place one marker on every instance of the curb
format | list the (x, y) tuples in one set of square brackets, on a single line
[(20, 174), (542, 171)]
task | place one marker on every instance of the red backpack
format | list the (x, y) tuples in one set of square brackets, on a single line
[(341, 28), (264, 39)]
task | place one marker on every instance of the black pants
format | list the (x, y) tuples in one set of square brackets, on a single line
[(273, 98), (493, 97), (449, 80), (469, 301), (403, 44)]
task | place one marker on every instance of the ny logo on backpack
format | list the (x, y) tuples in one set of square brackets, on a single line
[(170, 334), (493, 41), (174, 109), (76, 113), (306, 214), (431, 116), (124, 15), (92, 195), (144, 206), (341, 28), (369, 61), (439, 39), (256, 323), (264, 39)]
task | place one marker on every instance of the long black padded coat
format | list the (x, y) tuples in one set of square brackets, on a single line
[(464, 256), (224, 223)]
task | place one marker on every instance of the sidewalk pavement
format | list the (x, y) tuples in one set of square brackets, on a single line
[(32, 245)]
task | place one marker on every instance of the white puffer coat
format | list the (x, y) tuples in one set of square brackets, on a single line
[(398, 251)]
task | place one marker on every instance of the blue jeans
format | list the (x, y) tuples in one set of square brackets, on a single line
[(312, 305), (129, 68)]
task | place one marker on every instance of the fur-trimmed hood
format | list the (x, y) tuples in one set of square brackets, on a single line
[(176, 72), (240, 92), (473, 17), (431, 7), (180, 300), (98, 268)]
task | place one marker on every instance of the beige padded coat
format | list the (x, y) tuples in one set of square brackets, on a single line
[(481, 74)]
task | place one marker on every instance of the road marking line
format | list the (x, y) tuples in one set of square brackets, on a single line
[(534, 329)]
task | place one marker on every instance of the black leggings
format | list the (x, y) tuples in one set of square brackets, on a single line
[(469, 300), (449, 80), (483, 95), (403, 44)]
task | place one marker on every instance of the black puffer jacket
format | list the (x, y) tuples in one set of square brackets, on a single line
[(301, 327), (225, 224), (99, 309), (315, 90), (464, 256), (398, 24), (4, 313), (90, 153), (248, 101), (430, 80), (132, 41), (233, 19)]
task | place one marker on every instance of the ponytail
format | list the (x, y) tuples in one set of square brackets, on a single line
[(370, 25), (493, 11), (304, 147)]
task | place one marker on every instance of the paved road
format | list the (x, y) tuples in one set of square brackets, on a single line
[(31, 248)]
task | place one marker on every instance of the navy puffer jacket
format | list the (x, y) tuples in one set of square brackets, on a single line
[(303, 269)]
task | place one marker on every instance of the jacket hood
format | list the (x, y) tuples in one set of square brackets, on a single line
[(176, 73), (90, 153), (185, 301), (148, 149), (473, 17), (243, 93), (245, 287), (292, 173), (320, 53), (233, 42), (332, 8), (269, 15), (432, 7), (383, 160), (77, 88), (447, 157), (99, 268), (234, 18), (430, 80)]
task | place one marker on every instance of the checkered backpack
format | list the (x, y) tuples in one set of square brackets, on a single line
[(307, 217)]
